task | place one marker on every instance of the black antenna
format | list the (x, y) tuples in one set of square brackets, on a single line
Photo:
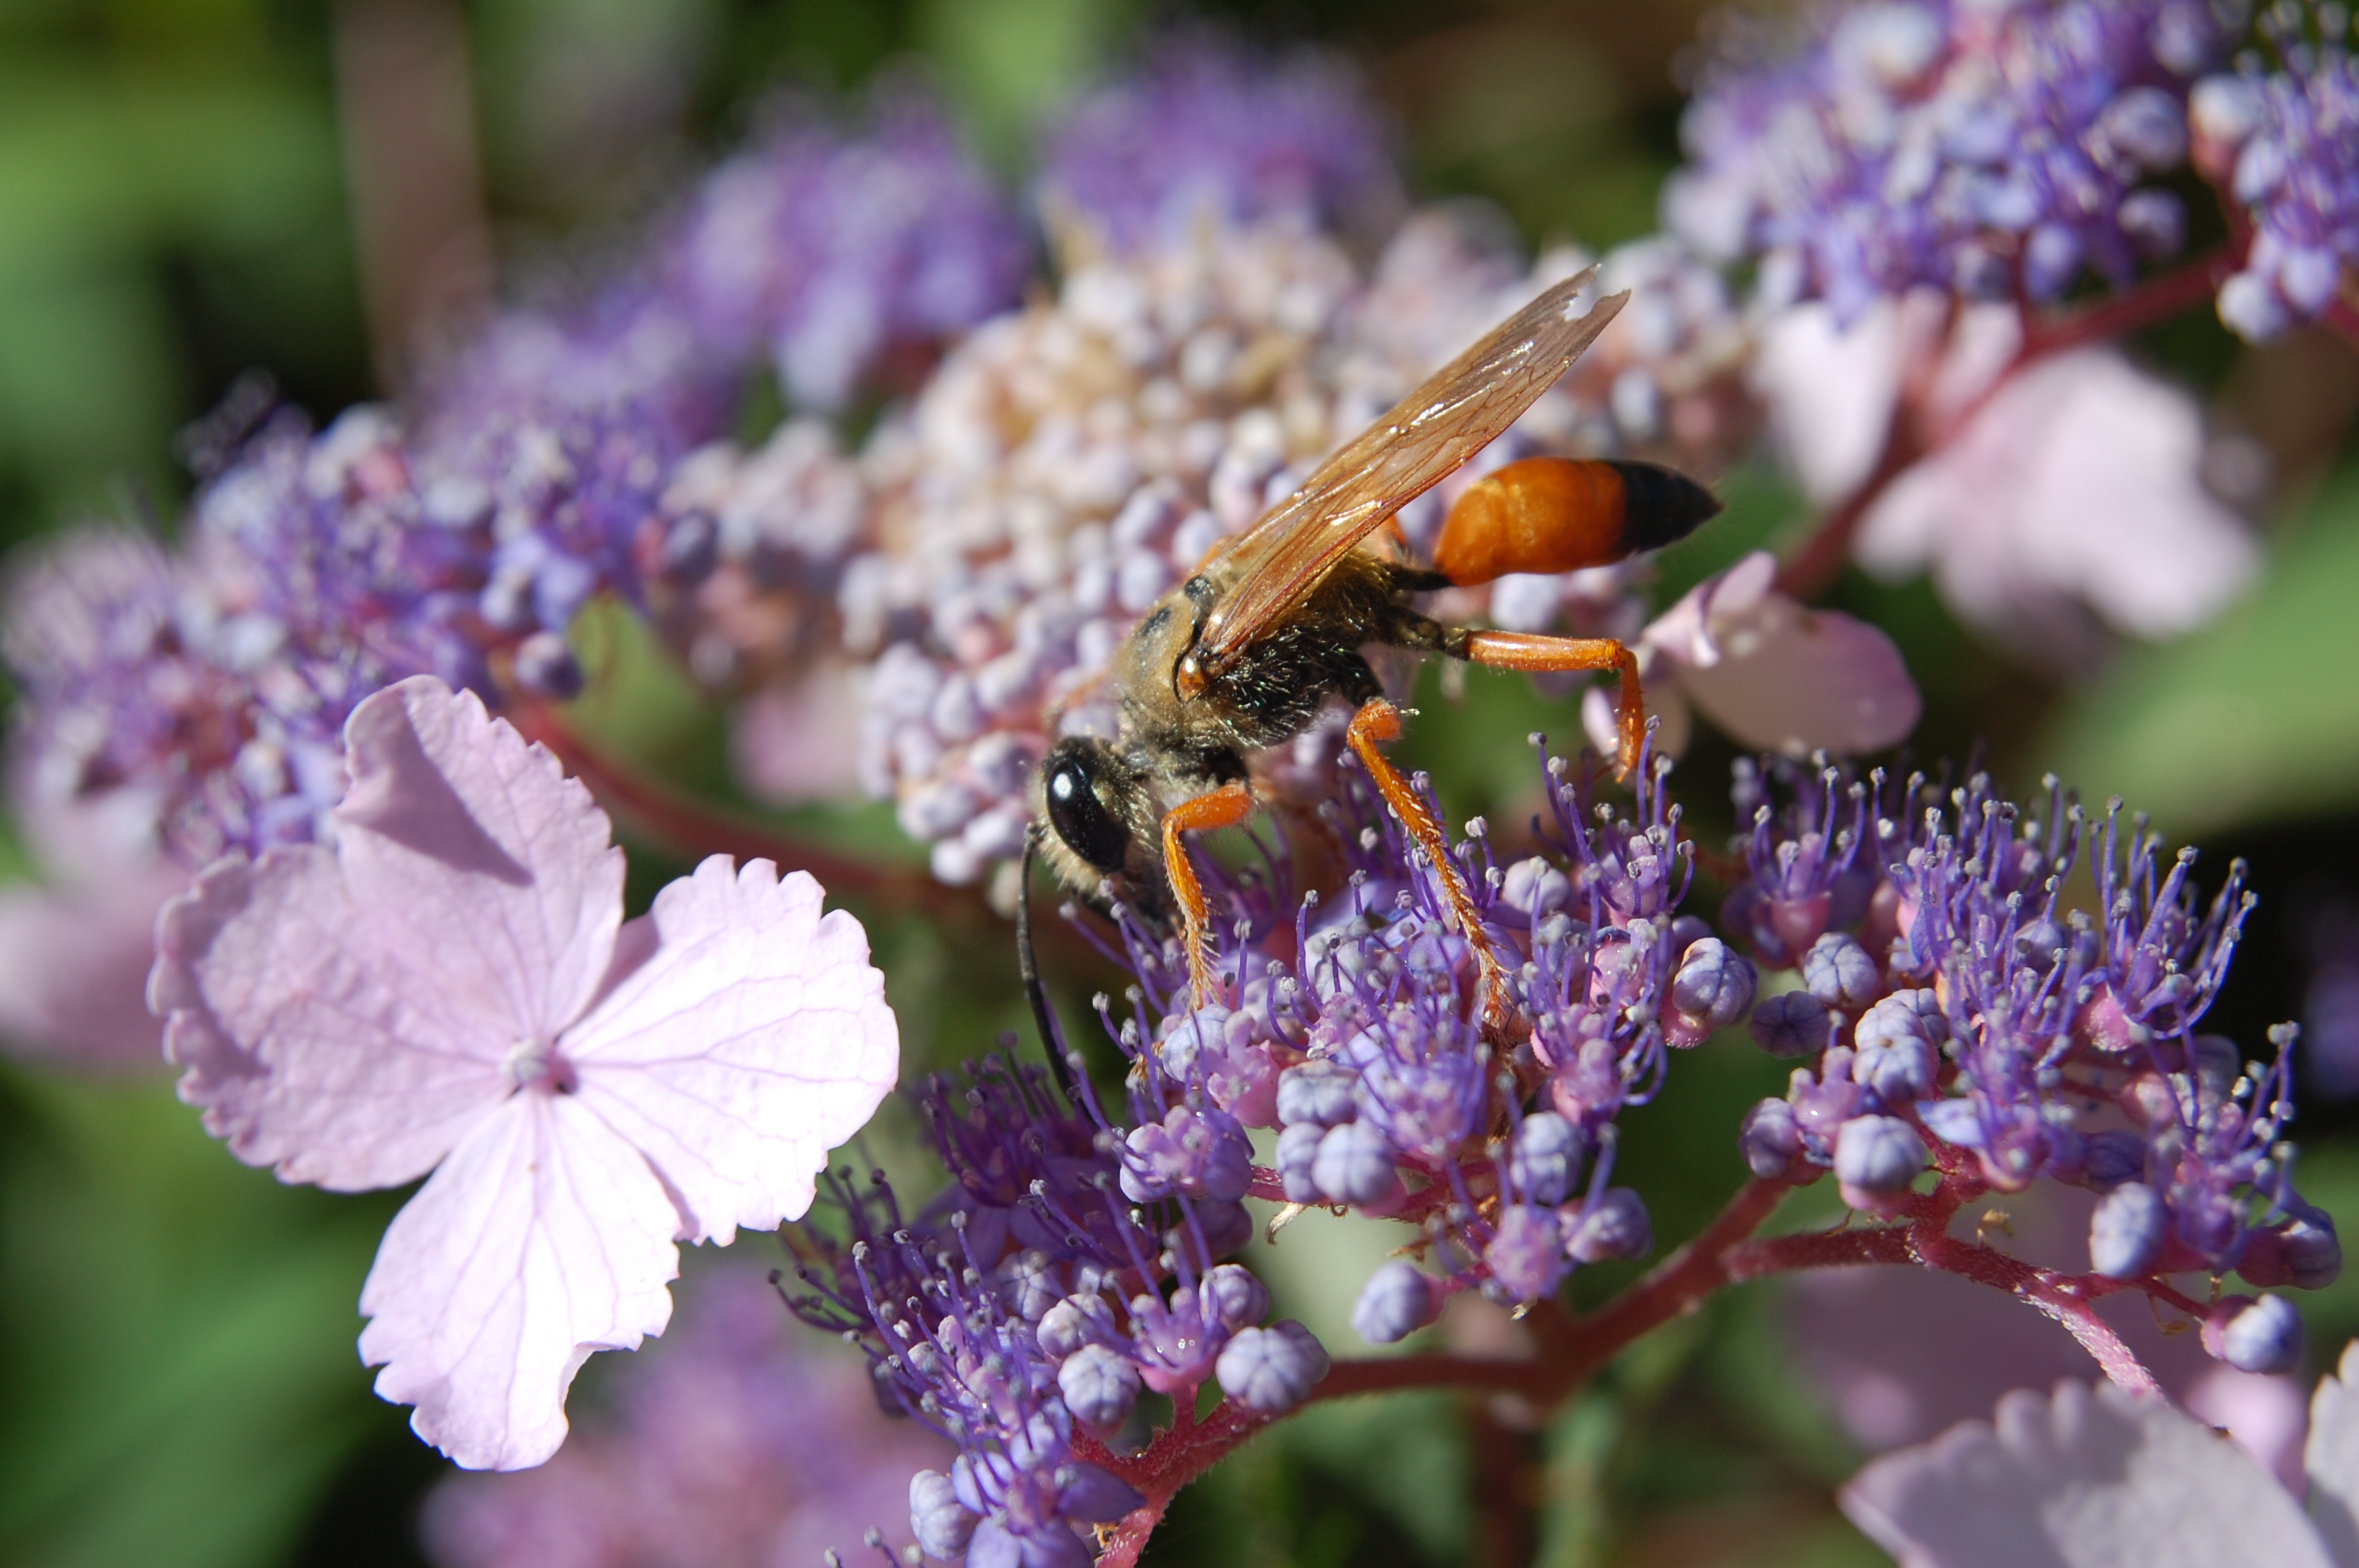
[(1044, 1017)]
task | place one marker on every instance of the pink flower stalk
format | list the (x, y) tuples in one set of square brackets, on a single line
[(453, 989), (2085, 1478), (1771, 673)]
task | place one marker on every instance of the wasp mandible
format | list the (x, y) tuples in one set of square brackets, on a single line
[(1243, 655)]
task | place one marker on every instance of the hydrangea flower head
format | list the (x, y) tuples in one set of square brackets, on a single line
[(1993, 151), (453, 989), (2286, 144), (1206, 132), (833, 252)]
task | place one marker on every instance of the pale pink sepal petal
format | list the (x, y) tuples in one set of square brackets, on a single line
[(2083, 1480), (2333, 1460), (543, 1238), (307, 1051), (493, 872), (754, 1040), (344, 1012), (1829, 391), (1776, 675), (2080, 479)]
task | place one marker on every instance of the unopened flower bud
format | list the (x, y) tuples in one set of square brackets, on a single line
[(1526, 1255), (1272, 1369), (1298, 1153), (1771, 1139), (1237, 1298), (1838, 971), (1875, 1158), (941, 1523), (2262, 1336), (1712, 989), (1064, 1328), (1615, 1227), (2126, 1231), (2304, 1252), (1545, 1156), (1356, 1166), (1099, 1385), (1318, 1092), (1790, 1024), (1398, 1299)]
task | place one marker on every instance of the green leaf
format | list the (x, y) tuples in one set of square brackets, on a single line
[(179, 1380), (2254, 718)]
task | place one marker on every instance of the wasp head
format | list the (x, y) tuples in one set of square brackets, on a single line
[(1102, 819)]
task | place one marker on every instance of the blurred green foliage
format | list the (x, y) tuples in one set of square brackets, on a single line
[(177, 1380)]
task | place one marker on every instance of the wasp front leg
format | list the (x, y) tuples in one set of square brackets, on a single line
[(1534, 653), (1224, 807), (1378, 721)]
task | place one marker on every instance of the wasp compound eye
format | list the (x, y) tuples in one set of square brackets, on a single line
[(1078, 815)]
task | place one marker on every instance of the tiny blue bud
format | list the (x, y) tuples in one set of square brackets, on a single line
[(1271, 1369), (1089, 1494), (2265, 1336), (1099, 1384), (1790, 1024), (1838, 971), (1237, 1299), (1526, 1255), (2113, 1157), (1900, 1069), (1064, 1328), (1714, 987), (1319, 1092), (1297, 1150), (2126, 1231), (1905, 1014), (1398, 1299), (1354, 1164), (1771, 1139), (1877, 1154), (941, 1523), (1615, 1227), (1545, 1156), (2313, 1254)]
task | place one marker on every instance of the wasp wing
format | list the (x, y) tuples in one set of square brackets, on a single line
[(1459, 410)]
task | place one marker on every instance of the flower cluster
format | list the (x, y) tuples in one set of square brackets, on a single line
[(1075, 1261), (2286, 145), (1208, 135), (834, 253), (1956, 1010), (1998, 152)]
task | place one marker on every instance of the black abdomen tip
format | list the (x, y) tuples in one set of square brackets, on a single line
[(1661, 506)]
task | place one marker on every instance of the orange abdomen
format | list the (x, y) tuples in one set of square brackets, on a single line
[(1558, 514)]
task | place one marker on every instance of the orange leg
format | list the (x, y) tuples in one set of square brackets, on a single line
[(1378, 721), (1531, 652), (1224, 807)]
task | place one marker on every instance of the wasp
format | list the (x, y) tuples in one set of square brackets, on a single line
[(1245, 653)]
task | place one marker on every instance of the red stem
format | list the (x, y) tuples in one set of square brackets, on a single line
[(1573, 1350)]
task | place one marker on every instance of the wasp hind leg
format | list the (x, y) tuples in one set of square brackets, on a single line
[(1379, 722), (1224, 807), (1534, 654)]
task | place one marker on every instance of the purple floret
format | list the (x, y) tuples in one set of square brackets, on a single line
[(1995, 151)]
